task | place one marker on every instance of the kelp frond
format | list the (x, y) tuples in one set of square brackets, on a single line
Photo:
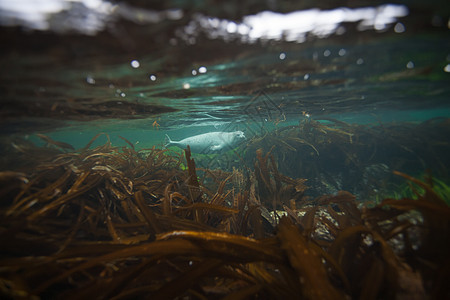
[(116, 222)]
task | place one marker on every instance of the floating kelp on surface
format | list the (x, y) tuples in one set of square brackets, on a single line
[(116, 222), (81, 109), (45, 114)]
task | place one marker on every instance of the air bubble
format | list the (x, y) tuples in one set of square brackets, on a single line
[(399, 28), (90, 80), (447, 68), (135, 64)]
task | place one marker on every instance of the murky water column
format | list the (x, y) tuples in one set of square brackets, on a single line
[(217, 149)]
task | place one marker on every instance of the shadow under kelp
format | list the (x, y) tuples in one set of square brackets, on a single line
[(116, 222), (334, 155)]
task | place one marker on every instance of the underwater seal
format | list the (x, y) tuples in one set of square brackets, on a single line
[(209, 142)]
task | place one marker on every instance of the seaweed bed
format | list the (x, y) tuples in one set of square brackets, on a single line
[(113, 222)]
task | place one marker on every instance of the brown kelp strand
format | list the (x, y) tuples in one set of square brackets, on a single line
[(334, 155), (121, 223)]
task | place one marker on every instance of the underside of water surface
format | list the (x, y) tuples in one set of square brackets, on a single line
[(340, 188)]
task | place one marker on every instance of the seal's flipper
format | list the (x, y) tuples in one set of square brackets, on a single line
[(215, 147), (167, 141)]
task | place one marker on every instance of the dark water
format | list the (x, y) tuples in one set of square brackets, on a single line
[(340, 189), (189, 73)]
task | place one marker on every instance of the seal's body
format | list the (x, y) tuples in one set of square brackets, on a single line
[(209, 142)]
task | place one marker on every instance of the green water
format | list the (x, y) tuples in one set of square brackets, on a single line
[(382, 87), (71, 87)]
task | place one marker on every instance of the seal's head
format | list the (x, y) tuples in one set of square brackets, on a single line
[(239, 135)]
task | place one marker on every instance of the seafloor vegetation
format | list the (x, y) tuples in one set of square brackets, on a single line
[(334, 155), (111, 222)]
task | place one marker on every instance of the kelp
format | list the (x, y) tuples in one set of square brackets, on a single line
[(121, 223), (334, 155), (82, 109)]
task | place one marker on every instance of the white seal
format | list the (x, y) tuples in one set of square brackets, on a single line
[(209, 142)]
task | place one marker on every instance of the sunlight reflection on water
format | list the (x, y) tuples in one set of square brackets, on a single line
[(92, 16), (84, 16), (295, 26)]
